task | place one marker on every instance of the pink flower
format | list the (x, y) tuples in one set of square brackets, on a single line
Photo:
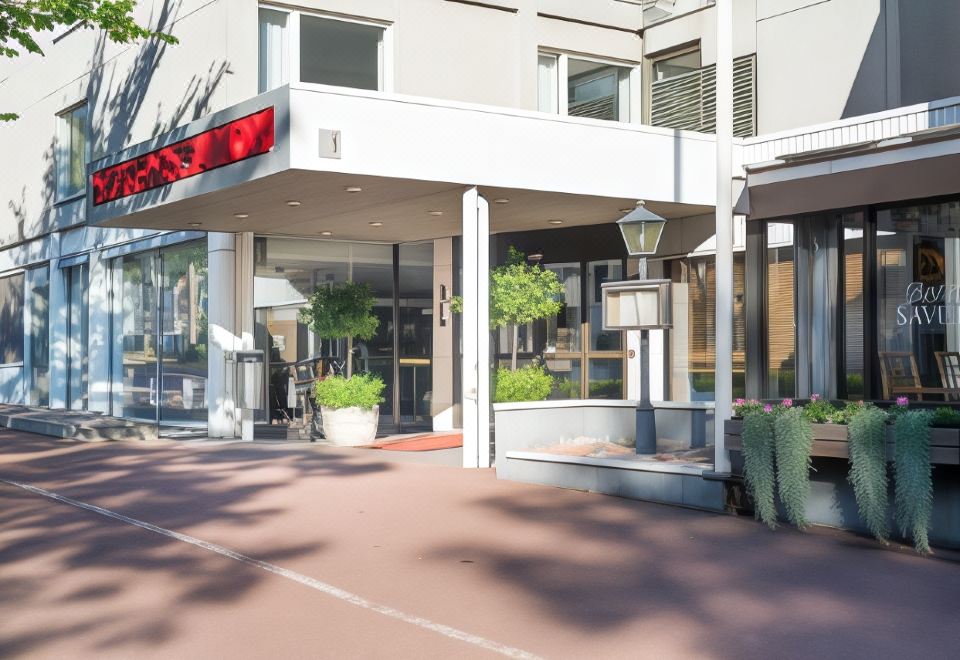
[(903, 401), (787, 403), (814, 397), (739, 402), (767, 408)]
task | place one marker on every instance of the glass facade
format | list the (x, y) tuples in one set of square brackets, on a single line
[(867, 301), (39, 301)]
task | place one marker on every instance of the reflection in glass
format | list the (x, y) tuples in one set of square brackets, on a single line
[(599, 272), (605, 378), (597, 90), (780, 311), (77, 337), (40, 336), (183, 374), (342, 53), (919, 244), (566, 377), (139, 335), (564, 330), (415, 329)]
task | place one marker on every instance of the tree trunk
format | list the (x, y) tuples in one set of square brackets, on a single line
[(349, 357), (513, 356)]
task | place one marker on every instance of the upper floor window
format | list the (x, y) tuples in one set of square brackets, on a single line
[(582, 87), (11, 311), (71, 153), (676, 65), (317, 49)]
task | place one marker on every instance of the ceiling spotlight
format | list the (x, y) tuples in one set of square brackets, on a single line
[(502, 200), (535, 257), (555, 222), (194, 224), (241, 216), (435, 212), (293, 203), (326, 233), (625, 210), (376, 223), (353, 189)]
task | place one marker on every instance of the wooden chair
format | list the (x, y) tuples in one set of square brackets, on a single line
[(899, 375), (948, 362)]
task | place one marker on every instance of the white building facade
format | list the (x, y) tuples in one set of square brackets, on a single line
[(167, 205)]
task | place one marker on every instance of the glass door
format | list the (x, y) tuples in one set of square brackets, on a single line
[(77, 337), (139, 335), (415, 335)]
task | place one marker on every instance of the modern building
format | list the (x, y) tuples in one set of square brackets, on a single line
[(166, 205)]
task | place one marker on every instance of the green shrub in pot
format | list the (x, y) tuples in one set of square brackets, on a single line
[(529, 383), (361, 391)]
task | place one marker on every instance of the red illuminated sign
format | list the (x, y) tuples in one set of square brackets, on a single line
[(240, 139)]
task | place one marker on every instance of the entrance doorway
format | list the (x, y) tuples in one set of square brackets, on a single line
[(288, 270), (162, 314)]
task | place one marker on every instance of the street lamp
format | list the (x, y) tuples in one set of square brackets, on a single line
[(641, 230)]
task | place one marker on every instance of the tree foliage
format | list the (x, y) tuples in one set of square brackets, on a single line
[(22, 20), (529, 383), (521, 292), (342, 311), (868, 468)]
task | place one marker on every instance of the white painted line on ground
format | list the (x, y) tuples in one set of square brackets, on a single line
[(323, 587)]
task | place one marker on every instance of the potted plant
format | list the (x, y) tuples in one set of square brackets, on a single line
[(350, 408), (349, 405)]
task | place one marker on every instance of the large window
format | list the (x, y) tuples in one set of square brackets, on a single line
[(781, 330), (71, 153), (318, 49), (11, 319), (38, 287), (582, 87)]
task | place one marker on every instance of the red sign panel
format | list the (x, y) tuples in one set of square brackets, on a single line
[(240, 139)]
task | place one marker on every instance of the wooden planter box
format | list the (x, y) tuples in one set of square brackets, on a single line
[(830, 441)]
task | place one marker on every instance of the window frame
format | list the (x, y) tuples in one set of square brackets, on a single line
[(649, 61), (385, 70), (634, 77), (63, 151)]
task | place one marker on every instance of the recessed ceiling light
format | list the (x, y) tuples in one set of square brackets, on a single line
[(555, 222), (241, 216), (326, 233), (194, 224), (376, 223), (502, 200), (625, 210), (293, 203), (353, 189), (435, 212)]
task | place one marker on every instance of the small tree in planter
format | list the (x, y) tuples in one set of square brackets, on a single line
[(350, 406), (520, 293), (342, 311)]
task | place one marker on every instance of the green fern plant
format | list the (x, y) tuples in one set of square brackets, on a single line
[(758, 466), (868, 468), (914, 483), (794, 444)]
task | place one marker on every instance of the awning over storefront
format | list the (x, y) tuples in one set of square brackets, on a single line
[(315, 160), (923, 164)]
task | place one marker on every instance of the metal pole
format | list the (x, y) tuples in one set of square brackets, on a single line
[(646, 416), (723, 388)]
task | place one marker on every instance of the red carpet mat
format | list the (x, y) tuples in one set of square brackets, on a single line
[(427, 442)]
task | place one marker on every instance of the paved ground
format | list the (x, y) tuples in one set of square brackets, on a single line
[(520, 568)]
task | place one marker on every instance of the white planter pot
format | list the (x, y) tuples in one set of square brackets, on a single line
[(350, 427)]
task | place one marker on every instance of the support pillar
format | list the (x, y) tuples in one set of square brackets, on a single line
[(59, 312), (98, 334), (476, 330), (221, 308), (724, 210), (244, 314)]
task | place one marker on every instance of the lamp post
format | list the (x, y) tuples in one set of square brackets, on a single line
[(641, 230)]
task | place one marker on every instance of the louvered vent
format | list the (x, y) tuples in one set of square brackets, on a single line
[(689, 101)]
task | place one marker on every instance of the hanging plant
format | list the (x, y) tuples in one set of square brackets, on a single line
[(914, 483), (868, 468), (794, 444), (758, 467)]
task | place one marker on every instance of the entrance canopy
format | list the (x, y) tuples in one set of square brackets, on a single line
[(360, 165), (913, 166)]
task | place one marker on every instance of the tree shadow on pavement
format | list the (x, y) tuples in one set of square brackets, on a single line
[(86, 571)]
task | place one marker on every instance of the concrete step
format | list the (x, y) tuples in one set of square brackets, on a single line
[(91, 427)]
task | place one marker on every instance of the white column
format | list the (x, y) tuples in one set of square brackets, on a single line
[(476, 330), (724, 209), (98, 334), (59, 313), (244, 313), (221, 307)]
